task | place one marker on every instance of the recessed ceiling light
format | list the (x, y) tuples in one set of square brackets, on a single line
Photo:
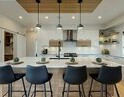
[(32, 29), (20, 17), (99, 17), (46, 17), (73, 17)]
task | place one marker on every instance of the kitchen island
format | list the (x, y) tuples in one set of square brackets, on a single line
[(57, 67)]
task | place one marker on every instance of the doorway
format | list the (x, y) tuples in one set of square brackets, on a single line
[(8, 45)]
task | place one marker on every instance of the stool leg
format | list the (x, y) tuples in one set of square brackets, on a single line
[(63, 89), (51, 89), (116, 90), (10, 90), (90, 87), (34, 90), (83, 90), (106, 90), (24, 87), (79, 91), (68, 90), (45, 90), (29, 90), (101, 90)]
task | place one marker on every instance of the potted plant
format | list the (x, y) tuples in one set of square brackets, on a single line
[(105, 52)]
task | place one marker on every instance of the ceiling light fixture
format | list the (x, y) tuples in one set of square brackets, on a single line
[(59, 26), (38, 26), (20, 17), (99, 17), (73, 17), (80, 26), (46, 17)]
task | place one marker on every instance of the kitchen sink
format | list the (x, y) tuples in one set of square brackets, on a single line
[(58, 58)]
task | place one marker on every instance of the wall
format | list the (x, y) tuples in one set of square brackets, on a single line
[(1, 45), (117, 48), (44, 35), (9, 25)]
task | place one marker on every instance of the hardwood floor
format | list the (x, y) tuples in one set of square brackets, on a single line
[(121, 88)]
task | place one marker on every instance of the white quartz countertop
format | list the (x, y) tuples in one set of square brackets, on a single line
[(55, 63)]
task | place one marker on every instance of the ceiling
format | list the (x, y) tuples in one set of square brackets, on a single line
[(108, 9), (67, 6)]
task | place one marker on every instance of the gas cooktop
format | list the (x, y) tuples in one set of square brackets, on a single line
[(70, 55)]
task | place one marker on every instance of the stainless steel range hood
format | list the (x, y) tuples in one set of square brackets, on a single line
[(70, 35)]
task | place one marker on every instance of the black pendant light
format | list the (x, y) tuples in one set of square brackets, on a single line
[(59, 26), (38, 26), (80, 26)]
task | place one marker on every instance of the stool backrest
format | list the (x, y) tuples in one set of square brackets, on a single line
[(6, 74), (110, 75), (36, 75), (75, 75)]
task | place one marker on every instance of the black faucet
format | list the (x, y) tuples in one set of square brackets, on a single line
[(59, 49)]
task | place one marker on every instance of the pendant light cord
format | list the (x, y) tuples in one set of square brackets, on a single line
[(38, 12), (80, 13), (59, 13)]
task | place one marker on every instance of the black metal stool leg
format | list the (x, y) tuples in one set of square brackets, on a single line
[(45, 90), (83, 90), (90, 87), (24, 87), (101, 90), (79, 90), (68, 90), (106, 91), (116, 90), (29, 90), (51, 89), (11, 90), (63, 89), (34, 90)]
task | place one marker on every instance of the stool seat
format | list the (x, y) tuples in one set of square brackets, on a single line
[(18, 76), (75, 76), (38, 75), (107, 76), (7, 76)]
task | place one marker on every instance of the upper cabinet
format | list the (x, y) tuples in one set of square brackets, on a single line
[(84, 43), (55, 43), (108, 37)]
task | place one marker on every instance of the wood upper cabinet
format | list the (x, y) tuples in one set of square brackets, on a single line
[(55, 43), (83, 43)]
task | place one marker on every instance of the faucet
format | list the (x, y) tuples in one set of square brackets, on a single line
[(59, 49)]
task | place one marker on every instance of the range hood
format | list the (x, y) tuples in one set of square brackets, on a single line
[(70, 35)]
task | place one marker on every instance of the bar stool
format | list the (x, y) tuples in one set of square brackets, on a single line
[(7, 76), (75, 76), (107, 76), (38, 76)]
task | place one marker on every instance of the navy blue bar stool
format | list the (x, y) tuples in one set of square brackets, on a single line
[(7, 76), (75, 76), (38, 76), (107, 76)]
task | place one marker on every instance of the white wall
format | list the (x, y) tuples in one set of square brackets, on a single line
[(1, 45), (117, 48), (9, 25), (45, 35)]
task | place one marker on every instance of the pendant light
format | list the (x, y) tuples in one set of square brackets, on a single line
[(59, 26), (38, 26), (80, 26)]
